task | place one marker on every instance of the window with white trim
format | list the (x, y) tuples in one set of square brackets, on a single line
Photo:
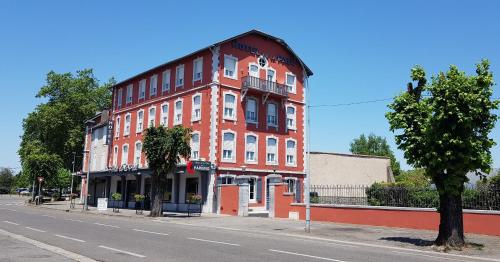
[(271, 75), (140, 121), (291, 118), (253, 70), (115, 156), (229, 106), (137, 153), (164, 115), (198, 69), (251, 149), (153, 85), (119, 102), (178, 112), (126, 132), (195, 146), (272, 114), (227, 179), (142, 89), (152, 116), (251, 110), (196, 108), (129, 93), (117, 127), (230, 67), (125, 154), (272, 150), (165, 86), (228, 146), (179, 76), (290, 82), (291, 153), (252, 189), (291, 184)]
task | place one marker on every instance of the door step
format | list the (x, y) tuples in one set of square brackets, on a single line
[(258, 212)]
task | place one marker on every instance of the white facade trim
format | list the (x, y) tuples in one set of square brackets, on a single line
[(256, 161), (234, 153)]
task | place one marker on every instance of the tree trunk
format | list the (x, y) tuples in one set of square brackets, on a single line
[(451, 226), (158, 184)]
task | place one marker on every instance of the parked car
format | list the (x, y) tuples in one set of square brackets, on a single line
[(25, 192), (19, 190)]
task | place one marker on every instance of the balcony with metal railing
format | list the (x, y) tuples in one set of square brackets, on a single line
[(266, 86)]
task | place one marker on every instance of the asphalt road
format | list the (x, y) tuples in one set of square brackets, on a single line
[(106, 238)]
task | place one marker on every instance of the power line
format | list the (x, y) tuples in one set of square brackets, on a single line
[(364, 102)]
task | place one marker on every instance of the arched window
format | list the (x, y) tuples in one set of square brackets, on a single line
[(272, 114)]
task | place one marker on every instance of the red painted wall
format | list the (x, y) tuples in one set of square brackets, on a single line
[(229, 200)]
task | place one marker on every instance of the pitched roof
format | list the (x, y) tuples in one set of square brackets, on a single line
[(253, 31)]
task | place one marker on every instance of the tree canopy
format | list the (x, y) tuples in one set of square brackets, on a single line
[(443, 127), (375, 146), (56, 127)]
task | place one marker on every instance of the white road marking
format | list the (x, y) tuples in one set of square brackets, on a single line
[(305, 255), (13, 210), (48, 216), (71, 238), (50, 248), (12, 223), (439, 257), (150, 232), (106, 225), (74, 220), (37, 230), (212, 241), (123, 251)]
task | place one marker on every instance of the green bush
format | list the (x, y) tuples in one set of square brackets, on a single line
[(116, 196)]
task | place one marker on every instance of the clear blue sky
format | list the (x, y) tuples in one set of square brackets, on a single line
[(358, 50)]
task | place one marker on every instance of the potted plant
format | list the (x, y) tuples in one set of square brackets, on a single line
[(139, 203), (116, 197), (194, 204)]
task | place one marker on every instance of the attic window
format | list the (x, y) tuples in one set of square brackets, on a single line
[(262, 61)]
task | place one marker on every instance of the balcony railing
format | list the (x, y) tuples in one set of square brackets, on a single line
[(264, 85)]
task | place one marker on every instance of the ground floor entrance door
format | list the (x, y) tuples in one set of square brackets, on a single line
[(191, 187)]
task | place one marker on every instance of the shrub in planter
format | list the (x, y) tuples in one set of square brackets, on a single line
[(139, 198), (116, 197), (195, 199), (139, 203)]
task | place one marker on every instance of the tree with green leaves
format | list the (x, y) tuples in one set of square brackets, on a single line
[(164, 148), (6, 180), (375, 146), (56, 129), (446, 132)]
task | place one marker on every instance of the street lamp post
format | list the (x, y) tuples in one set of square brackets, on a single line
[(89, 123)]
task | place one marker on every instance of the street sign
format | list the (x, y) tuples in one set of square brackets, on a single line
[(40, 179)]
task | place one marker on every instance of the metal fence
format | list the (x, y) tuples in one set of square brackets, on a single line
[(483, 197)]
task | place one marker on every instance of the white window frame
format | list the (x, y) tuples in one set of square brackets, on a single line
[(258, 69), (130, 91), (235, 77), (117, 126), (233, 154), (164, 114), (276, 154), (142, 89), (165, 86), (294, 164), (195, 148), (178, 122), (120, 97), (135, 154), (294, 117), (294, 179), (293, 88), (200, 78), (194, 108), (115, 156), (256, 121), (179, 80), (126, 127), (254, 199), (225, 176), (274, 75), (124, 160), (268, 123), (153, 85), (149, 116), (139, 126), (234, 116), (256, 153)]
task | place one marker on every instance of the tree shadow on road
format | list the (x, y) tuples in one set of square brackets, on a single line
[(408, 240)]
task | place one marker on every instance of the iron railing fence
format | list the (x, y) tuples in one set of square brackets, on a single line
[(264, 85), (481, 197)]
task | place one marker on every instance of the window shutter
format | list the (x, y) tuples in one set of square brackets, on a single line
[(298, 191), (258, 197)]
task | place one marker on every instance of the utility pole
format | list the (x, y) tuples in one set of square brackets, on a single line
[(87, 180), (307, 197), (72, 177)]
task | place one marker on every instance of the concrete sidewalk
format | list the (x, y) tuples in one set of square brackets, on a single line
[(484, 246)]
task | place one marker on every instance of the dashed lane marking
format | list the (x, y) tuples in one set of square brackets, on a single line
[(106, 225), (71, 238), (37, 230), (212, 241), (150, 232), (12, 223), (123, 251), (305, 255)]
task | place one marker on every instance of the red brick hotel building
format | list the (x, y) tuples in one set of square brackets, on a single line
[(244, 98)]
